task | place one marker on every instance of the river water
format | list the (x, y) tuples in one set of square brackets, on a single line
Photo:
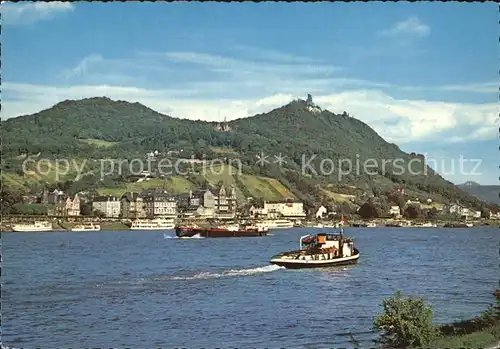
[(149, 289)]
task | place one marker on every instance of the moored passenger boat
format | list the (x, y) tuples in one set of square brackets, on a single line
[(276, 224), (34, 227), (86, 227)]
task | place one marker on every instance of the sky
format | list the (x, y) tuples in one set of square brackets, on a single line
[(422, 75)]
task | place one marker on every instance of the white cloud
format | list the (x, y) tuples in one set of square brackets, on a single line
[(397, 120), (23, 13), (208, 76), (82, 68), (488, 87), (416, 120), (273, 55), (410, 27), (251, 66), (212, 75), (203, 86)]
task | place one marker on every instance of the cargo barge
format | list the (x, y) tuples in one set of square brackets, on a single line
[(219, 232)]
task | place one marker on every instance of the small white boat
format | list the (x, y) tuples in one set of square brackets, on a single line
[(276, 224), (34, 227), (320, 250), (86, 227), (153, 224)]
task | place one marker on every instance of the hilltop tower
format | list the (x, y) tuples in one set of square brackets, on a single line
[(223, 126), (311, 106)]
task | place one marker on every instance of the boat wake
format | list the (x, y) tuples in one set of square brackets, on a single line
[(197, 236), (226, 273)]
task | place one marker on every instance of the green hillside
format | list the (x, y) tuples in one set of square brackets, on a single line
[(99, 128)]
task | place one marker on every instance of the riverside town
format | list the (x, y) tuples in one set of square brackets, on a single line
[(115, 210)]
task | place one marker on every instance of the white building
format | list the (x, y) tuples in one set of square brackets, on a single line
[(321, 212), (109, 205), (495, 215), (395, 211), (160, 205), (257, 211), (288, 209), (454, 209), (415, 203)]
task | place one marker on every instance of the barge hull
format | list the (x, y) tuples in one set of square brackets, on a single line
[(216, 233), (301, 264), (289, 265)]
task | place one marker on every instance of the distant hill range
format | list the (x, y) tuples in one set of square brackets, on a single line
[(97, 128), (486, 193)]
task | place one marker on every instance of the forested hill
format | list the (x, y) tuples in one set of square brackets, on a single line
[(100, 127)]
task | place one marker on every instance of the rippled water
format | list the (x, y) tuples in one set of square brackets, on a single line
[(147, 289)]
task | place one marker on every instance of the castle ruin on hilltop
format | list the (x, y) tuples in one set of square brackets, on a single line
[(311, 106), (223, 126)]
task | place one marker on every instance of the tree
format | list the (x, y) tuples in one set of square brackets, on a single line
[(412, 212), (86, 209), (492, 314), (405, 322), (99, 214), (368, 210), (8, 200), (485, 212), (432, 213)]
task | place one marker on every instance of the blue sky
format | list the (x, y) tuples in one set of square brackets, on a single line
[(423, 75)]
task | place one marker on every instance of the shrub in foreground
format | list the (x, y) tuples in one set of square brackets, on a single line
[(406, 322)]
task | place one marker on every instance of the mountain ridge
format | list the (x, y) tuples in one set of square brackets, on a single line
[(487, 193), (296, 130)]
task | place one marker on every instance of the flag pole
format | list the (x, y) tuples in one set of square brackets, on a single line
[(341, 225)]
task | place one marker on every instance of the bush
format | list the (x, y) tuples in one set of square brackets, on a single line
[(492, 315), (405, 322)]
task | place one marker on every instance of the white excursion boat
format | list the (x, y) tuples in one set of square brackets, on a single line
[(86, 227), (153, 224), (276, 224), (34, 227), (371, 225), (320, 250)]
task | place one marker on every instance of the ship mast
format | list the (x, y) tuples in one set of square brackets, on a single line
[(341, 225)]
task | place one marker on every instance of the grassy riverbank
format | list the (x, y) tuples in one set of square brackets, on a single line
[(485, 338)]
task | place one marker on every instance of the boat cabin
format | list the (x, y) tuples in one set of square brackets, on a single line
[(321, 250), (341, 246)]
